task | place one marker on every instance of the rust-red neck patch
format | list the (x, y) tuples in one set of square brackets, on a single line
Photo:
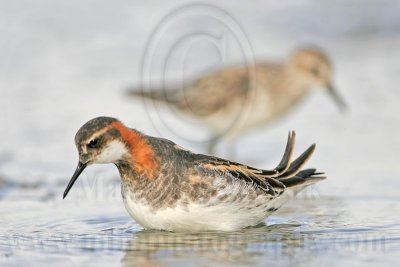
[(144, 159)]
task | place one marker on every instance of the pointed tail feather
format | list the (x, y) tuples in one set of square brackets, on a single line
[(285, 168), (289, 174), (303, 178), (296, 165), (285, 161), (284, 164)]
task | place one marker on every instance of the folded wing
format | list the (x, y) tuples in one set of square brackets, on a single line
[(274, 182)]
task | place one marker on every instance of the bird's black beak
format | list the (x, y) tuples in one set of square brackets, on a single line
[(337, 98), (78, 171)]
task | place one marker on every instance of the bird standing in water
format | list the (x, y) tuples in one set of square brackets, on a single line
[(166, 187), (234, 100)]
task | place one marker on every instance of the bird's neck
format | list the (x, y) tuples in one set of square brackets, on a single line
[(141, 159)]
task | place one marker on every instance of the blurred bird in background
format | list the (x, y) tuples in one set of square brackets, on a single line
[(263, 92)]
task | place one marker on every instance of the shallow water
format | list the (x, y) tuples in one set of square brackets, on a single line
[(310, 230), (58, 70)]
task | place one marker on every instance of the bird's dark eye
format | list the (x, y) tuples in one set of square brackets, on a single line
[(93, 143), (315, 71)]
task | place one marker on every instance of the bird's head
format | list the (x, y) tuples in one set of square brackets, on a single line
[(314, 69), (100, 140), (106, 140)]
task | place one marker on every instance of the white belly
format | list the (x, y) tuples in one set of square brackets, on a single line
[(211, 216), (193, 217)]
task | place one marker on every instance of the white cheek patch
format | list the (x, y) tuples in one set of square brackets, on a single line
[(115, 151)]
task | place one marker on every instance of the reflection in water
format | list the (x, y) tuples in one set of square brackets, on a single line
[(262, 244)]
